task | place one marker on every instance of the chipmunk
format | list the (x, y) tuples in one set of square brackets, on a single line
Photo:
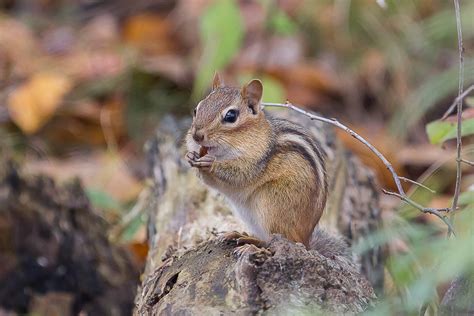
[(271, 170)]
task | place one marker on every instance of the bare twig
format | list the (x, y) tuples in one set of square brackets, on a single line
[(396, 178), (458, 99), (417, 183), (429, 210), (457, 188), (467, 162)]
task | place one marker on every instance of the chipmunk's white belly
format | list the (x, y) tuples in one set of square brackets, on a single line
[(242, 209), (249, 216)]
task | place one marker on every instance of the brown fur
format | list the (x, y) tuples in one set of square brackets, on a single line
[(265, 167)]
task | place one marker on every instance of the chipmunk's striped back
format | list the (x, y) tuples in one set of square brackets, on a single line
[(292, 137)]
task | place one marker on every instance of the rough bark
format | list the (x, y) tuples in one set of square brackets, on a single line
[(210, 280), (54, 253), (189, 271)]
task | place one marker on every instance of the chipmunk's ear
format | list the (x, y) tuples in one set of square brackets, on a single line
[(217, 82), (252, 94)]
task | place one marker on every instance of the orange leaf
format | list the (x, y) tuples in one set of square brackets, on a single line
[(33, 104), (140, 250), (151, 33)]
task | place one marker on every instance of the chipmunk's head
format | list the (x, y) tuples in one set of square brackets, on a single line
[(226, 119)]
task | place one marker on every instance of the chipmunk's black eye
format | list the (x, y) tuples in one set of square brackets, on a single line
[(231, 116), (194, 112)]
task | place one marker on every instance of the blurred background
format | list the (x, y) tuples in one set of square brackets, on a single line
[(83, 84)]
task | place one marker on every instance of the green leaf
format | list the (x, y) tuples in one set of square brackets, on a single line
[(441, 131), (438, 131), (221, 34), (102, 200), (282, 24), (132, 228), (466, 198)]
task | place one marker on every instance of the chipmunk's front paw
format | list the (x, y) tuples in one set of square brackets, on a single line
[(242, 239), (203, 163), (248, 250), (231, 236)]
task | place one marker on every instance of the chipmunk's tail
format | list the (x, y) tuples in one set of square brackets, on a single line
[(330, 244)]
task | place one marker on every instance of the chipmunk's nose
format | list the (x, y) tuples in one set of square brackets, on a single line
[(198, 135)]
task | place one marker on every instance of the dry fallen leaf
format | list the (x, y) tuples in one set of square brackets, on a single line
[(151, 33), (33, 103)]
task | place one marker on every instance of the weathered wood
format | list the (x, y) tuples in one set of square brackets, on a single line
[(185, 218), (209, 280)]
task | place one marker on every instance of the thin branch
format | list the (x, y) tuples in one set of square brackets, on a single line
[(458, 99), (421, 185), (428, 210), (467, 162), (396, 178), (336, 123), (457, 188)]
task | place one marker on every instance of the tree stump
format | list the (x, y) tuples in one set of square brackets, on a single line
[(189, 271)]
